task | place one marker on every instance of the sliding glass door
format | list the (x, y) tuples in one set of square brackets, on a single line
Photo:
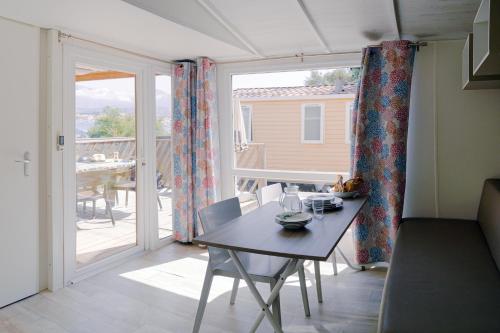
[(163, 155), (105, 162), (113, 108)]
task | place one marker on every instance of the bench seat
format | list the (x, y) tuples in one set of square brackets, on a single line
[(443, 275)]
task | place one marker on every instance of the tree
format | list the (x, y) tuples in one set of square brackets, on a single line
[(328, 78), (316, 79), (356, 72), (113, 123), (161, 126)]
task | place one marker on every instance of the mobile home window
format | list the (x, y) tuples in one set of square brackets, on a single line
[(312, 123), (348, 114), (246, 111)]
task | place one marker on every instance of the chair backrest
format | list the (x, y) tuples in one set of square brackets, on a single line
[(269, 193), (214, 216), (489, 216)]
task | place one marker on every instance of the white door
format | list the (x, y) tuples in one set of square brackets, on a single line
[(103, 160), (19, 66)]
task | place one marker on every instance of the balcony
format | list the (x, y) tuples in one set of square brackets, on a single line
[(112, 184)]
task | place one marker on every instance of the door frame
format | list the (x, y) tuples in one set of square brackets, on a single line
[(62, 240), (73, 55)]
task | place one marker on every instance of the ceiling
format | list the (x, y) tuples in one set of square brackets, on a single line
[(242, 29)]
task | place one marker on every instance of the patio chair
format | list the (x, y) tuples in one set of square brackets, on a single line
[(261, 268), (130, 185), (87, 191), (272, 192), (269, 193)]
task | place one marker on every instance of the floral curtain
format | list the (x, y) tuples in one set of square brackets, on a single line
[(194, 144), (379, 129)]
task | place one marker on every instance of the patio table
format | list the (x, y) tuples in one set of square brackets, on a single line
[(256, 232), (108, 165), (105, 173)]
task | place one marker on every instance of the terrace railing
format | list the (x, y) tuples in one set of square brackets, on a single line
[(126, 149)]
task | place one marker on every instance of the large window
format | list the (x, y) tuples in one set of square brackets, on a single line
[(312, 123), (294, 125), (293, 121)]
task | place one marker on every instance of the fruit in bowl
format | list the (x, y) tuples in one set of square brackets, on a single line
[(348, 189)]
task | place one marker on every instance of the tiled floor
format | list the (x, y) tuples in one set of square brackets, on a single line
[(159, 292)]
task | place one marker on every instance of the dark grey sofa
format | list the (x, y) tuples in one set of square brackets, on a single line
[(444, 274)]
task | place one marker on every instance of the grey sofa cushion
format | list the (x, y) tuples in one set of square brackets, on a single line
[(442, 278), (489, 216)]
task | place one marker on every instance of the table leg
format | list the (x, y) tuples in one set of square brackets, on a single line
[(317, 277), (291, 266), (275, 292), (352, 266)]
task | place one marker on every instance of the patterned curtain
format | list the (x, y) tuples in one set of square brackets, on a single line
[(194, 144), (380, 127)]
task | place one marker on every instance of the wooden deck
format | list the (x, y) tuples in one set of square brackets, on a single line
[(158, 293), (97, 238)]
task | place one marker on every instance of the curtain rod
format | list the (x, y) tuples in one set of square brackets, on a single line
[(295, 56), (301, 56), (65, 35), (415, 44)]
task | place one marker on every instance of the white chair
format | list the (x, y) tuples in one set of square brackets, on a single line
[(272, 193), (261, 268), (269, 193)]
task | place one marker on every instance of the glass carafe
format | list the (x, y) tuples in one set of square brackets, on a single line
[(290, 201)]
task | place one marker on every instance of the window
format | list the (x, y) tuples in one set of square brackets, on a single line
[(163, 175), (348, 115), (291, 137), (312, 123), (283, 115), (246, 111)]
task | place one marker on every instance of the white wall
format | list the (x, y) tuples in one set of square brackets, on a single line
[(454, 137)]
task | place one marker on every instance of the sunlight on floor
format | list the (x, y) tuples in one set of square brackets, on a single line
[(176, 273)]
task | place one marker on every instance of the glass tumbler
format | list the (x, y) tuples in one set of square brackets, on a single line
[(318, 208)]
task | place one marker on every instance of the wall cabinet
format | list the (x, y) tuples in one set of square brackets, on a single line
[(469, 80), (486, 48)]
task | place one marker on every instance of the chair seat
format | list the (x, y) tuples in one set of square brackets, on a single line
[(261, 268)]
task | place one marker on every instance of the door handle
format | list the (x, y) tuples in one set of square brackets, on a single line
[(26, 162)]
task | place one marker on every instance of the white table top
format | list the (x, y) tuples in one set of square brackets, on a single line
[(104, 166)]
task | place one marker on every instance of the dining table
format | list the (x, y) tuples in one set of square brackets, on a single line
[(257, 232)]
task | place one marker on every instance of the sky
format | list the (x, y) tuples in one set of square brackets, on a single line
[(276, 79), (121, 91), (124, 88)]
